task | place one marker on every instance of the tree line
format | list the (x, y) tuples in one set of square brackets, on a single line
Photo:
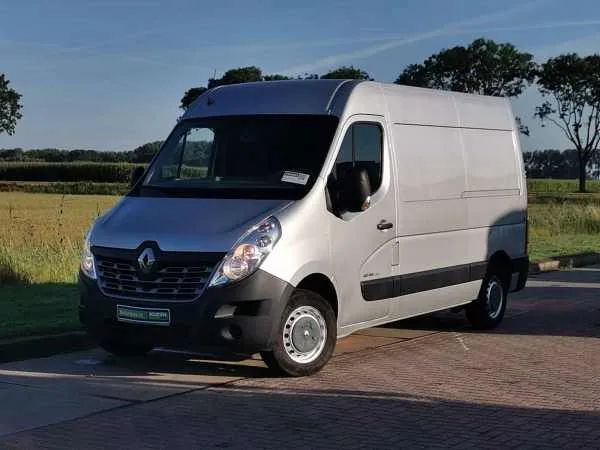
[(141, 155), (569, 84), (559, 165)]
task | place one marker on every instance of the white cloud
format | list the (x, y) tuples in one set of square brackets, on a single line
[(445, 30)]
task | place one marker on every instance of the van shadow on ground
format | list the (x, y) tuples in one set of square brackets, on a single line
[(563, 303), (243, 417)]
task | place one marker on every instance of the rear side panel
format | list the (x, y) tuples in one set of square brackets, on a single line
[(461, 191)]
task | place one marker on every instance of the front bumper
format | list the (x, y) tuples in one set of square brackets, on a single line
[(246, 325)]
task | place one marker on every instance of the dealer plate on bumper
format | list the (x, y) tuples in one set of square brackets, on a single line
[(151, 316)]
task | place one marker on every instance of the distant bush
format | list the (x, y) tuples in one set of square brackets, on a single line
[(92, 172)]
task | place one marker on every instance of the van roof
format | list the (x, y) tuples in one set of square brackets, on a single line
[(267, 97), (405, 104)]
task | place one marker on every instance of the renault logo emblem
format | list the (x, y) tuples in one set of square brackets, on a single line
[(146, 260)]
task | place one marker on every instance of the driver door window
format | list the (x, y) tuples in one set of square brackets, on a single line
[(362, 147)]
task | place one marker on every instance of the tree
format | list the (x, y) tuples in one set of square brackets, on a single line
[(275, 77), (484, 67), (232, 76), (145, 153), (236, 76), (191, 95), (10, 108), (571, 86), (551, 164), (347, 73), (12, 154)]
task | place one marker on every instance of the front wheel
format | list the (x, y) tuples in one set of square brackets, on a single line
[(488, 310), (306, 336)]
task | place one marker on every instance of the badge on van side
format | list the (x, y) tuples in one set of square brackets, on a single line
[(295, 177)]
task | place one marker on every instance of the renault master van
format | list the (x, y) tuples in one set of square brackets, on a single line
[(280, 216)]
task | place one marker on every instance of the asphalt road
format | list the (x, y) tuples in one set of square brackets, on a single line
[(423, 383)]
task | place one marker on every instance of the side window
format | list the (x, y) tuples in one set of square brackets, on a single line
[(362, 147), (192, 158)]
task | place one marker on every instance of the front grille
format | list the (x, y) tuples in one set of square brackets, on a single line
[(170, 280)]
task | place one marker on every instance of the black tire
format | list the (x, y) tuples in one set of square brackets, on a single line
[(485, 313), (125, 349), (279, 359)]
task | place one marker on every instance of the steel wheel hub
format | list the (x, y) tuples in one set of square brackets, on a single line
[(494, 298), (304, 334)]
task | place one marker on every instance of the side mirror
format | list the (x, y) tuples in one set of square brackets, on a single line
[(356, 190), (137, 174)]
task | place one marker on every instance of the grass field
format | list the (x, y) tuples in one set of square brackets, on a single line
[(41, 236), (560, 186), (40, 242)]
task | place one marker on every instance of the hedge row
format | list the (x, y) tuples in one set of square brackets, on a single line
[(70, 188), (93, 172), (538, 186)]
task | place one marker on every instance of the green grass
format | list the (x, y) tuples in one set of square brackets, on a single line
[(560, 186), (561, 228), (29, 310), (41, 235), (40, 242), (556, 219), (571, 198), (549, 247)]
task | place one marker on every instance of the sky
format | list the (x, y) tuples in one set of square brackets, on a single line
[(109, 74)]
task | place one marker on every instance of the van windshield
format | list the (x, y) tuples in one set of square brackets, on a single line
[(241, 157)]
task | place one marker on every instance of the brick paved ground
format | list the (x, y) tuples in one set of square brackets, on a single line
[(533, 383)]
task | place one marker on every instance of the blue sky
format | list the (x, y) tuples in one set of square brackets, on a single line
[(109, 74)]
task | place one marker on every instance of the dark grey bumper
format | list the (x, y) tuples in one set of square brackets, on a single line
[(258, 300), (520, 266)]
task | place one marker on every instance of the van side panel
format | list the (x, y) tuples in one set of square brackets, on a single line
[(495, 182), (430, 164), (460, 195), (482, 112), (492, 168), (432, 221), (417, 106), (496, 213)]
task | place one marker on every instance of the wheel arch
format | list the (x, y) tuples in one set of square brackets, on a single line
[(322, 285), (501, 264)]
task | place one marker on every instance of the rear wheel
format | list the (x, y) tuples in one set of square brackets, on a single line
[(306, 336), (488, 310), (125, 349)]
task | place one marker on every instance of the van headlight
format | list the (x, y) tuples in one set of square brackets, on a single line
[(87, 259), (248, 253)]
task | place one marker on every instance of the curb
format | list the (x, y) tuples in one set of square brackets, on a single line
[(42, 346), (565, 262)]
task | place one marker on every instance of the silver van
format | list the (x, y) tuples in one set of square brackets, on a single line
[(280, 216)]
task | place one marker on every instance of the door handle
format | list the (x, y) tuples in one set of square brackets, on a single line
[(384, 225)]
